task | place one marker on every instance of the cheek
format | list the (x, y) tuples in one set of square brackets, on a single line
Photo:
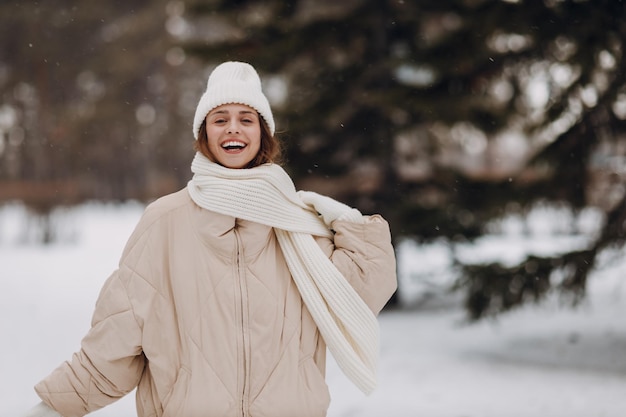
[(212, 137), (256, 134)]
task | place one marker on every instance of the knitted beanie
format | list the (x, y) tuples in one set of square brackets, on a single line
[(233, 83)]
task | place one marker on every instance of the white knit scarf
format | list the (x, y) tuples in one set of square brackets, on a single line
[(266, 194)]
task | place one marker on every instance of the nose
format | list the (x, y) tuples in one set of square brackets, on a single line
[(233, 127)]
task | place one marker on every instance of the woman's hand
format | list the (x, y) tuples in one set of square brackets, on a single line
[(41, 410), (330, 209)]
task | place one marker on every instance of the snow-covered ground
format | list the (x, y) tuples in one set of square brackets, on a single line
[(542, 360)]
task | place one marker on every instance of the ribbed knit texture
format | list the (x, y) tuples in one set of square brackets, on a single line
[(233, 82), (266, 195)]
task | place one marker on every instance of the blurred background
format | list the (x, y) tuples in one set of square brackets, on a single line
[(445, 117), (490, 133)]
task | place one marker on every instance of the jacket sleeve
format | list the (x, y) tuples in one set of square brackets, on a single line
[(363, 253), (109, 363)]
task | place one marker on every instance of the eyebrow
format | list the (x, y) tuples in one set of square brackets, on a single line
[(226, 112)]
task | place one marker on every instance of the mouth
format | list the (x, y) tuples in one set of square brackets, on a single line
[(233, 145)]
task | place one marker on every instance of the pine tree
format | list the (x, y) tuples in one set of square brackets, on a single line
[(406, 108)]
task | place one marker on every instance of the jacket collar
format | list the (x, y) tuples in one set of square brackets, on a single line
[(219, 232)]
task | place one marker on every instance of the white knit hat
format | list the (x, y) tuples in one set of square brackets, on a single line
[(233, 82)]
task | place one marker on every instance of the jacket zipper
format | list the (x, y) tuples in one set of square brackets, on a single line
[(244, 365)]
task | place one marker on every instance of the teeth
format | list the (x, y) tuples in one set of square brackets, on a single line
[(233, 144)]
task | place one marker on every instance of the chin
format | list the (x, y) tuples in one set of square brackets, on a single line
[(235, 165)]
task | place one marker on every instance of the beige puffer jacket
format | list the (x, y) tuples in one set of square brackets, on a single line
[(203, 317)]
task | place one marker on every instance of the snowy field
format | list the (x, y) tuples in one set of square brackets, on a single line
[(542, 360)]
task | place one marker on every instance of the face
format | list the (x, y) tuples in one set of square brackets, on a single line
[(234, 134)]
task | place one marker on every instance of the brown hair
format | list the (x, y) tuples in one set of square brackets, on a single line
[(269, 152)]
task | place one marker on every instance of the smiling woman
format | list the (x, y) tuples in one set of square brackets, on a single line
[(269, 150), (233, 124), (233, 134), (229, 291)]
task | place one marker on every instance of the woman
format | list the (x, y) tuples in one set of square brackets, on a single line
[(229, 291)]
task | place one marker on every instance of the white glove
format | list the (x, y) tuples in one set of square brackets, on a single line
[(330, 209), (41, 410)]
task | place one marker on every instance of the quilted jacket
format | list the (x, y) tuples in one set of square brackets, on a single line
[(203, 318)]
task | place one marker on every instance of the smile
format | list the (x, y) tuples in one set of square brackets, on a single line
[(233, 145)]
